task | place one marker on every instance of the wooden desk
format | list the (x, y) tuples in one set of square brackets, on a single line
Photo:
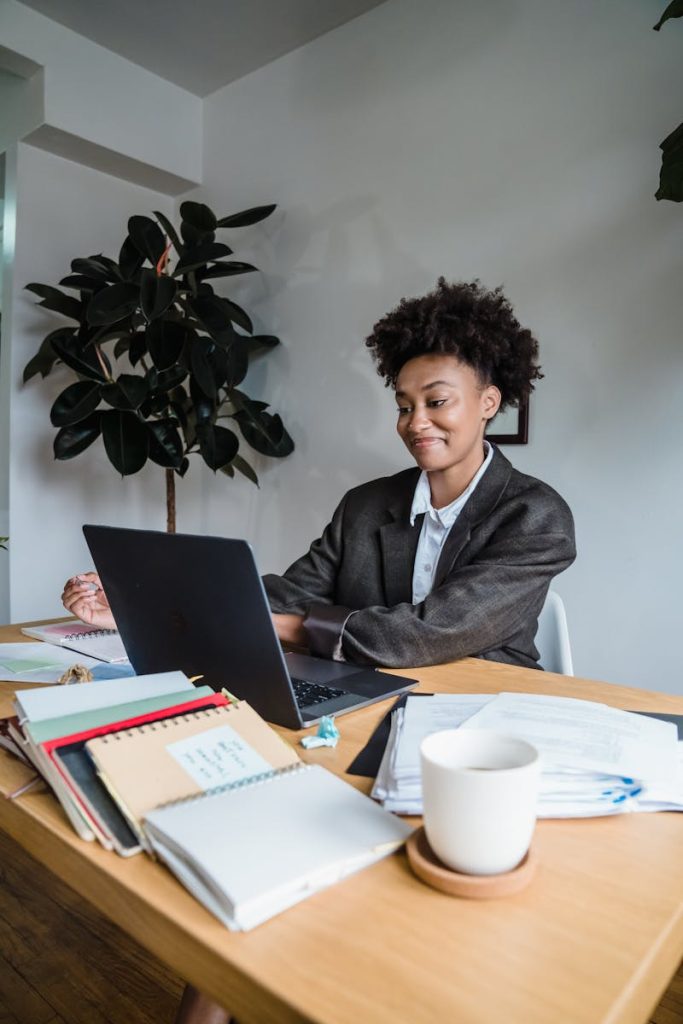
[(594, 940)]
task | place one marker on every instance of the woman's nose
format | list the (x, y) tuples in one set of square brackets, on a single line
[(418, 421)]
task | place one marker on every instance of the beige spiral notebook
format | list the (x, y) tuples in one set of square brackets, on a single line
[(176, 758)]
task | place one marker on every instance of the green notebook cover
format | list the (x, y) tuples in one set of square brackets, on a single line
[(83, 721)]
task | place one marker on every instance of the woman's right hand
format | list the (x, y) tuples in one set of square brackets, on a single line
[(83, 596)]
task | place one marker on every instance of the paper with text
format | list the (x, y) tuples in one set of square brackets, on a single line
[(217, 756)]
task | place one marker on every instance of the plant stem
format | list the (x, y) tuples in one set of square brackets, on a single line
[(170, 501)]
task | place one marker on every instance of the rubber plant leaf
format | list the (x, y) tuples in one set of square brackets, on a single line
[(247, 217), (75, 403), (74, 439), (58, 302), (126, 441)]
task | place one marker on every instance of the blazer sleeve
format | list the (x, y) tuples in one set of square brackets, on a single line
[(477, 608)]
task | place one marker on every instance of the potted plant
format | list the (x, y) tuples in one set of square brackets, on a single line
[(186, 348)]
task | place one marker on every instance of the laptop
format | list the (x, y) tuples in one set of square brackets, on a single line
[(198, 604)]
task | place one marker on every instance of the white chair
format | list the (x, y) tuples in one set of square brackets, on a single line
[(552, 636)]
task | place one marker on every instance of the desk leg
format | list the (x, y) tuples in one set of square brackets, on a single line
[(196, 1008)]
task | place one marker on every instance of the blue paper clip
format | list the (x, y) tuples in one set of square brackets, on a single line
[(327, 735)]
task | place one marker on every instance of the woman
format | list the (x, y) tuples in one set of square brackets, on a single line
[(453, 557)]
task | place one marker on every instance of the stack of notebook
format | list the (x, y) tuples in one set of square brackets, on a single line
[(201, 781)]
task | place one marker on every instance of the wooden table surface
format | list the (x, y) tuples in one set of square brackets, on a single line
[(594, 940)]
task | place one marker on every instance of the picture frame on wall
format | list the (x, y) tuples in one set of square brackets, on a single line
[(511, 426)]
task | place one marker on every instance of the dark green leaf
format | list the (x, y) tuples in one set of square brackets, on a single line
[(245, 469), (113, 304), (165, 444), (46, 357), (192, 238), (184, 466), (671, 172), (170, 231), (202, 366), (674, 10), (126, 441), (261, 343), (165, 341), (225, 270), (246, 217), (263, 431), (130, 259), (99, 268), (208, 252), (203, 408), (157, 293), (82, 359), (198, 216), (212, 312), (138, 348), (238, 315), (147, 237), (72, 440), (127, 392), (75, 403), (166, 380), (84, 284), (57, 301), (218, 445), (237, 362)]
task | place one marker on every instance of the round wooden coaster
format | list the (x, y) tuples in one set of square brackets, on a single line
[(434, 872)]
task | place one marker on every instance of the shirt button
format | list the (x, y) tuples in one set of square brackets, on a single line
[(427, 568)]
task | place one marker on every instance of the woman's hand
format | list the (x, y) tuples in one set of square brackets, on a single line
[(290, 629), (83, 596)]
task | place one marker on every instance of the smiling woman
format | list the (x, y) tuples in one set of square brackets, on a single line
[(453, 557)]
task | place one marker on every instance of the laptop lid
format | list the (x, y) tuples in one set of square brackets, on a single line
[(197, 604)]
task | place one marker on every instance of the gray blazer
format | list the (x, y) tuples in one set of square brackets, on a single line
[(512, 537)]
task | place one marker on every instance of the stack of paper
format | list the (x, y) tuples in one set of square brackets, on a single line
[(595, 759)]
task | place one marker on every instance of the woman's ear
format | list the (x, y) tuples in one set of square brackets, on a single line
[(491, 398)]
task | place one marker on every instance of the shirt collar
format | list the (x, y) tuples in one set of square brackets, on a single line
[(422, 499)]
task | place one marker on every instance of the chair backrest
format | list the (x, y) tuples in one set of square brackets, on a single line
[(552, 636)]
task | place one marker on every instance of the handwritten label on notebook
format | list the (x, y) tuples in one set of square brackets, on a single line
[(217, 756)]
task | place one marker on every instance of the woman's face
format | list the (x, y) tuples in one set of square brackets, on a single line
[(443, 411)]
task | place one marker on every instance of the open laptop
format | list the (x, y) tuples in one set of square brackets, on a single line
[(198, 604)]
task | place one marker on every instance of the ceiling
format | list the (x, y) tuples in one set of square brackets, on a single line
[(201, 46)]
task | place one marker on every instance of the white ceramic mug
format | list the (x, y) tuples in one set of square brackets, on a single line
[(479, 792)]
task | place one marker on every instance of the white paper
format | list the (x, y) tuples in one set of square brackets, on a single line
[(218, 756), (38, 662), (37, 705), (585, 735)]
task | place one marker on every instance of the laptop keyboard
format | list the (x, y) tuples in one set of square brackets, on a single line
[(308, 693)]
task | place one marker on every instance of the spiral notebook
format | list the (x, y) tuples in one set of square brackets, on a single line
[(103, 644), (248, 851), (150, 765)]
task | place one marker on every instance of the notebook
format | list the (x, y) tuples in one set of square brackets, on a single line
[(197, 603), (153, 764), (70, 758), (103, 644), (250, 850)]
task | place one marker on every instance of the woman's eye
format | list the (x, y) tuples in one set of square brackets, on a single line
[(434, 403), (403, 410)]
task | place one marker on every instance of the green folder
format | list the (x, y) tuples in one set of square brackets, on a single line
[(83, 721)]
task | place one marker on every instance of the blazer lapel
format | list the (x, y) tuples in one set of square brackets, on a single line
[(398, 541), (481, 504)]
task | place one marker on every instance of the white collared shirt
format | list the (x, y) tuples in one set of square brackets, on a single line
[(436, 526)]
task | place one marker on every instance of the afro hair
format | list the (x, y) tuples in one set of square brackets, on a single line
[(468, 321)]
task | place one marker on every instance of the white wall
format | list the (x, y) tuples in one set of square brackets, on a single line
[(96, 99), (516, 142), (62, 210)]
